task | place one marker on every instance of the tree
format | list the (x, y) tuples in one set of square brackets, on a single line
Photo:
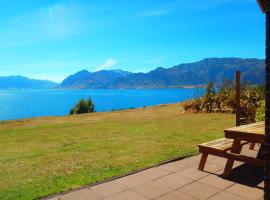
[(83, 106)]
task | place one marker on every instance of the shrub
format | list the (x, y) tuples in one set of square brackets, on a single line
[(260, 114), (223, 100), (83, 106), (193, 105)]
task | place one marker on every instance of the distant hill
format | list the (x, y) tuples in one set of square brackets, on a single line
[(21, 82), (216, 70), (100, 79)]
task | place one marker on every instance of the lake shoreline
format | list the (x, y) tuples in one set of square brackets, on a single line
[(21, 104)]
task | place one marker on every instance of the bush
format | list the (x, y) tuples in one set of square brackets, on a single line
[(193, 105), (260, 114), (223, 100), (83, 106)]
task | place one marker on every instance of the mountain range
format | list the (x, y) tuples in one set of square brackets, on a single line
[(216, 70), (21, 82)]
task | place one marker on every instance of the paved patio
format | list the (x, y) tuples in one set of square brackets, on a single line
[(180, 180)]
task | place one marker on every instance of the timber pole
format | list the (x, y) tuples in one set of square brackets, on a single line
[(267, 111), (238, 96)]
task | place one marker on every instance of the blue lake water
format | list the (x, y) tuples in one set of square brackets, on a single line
[(16, 104)]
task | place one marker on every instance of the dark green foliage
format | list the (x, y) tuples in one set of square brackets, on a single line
[(224, 100), (83, 106)]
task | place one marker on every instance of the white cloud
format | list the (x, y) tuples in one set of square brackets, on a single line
[(110, 62)]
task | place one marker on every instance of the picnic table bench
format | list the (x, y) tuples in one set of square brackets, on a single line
[(230, 147)]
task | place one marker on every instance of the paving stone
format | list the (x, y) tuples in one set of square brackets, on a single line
[(216, 181), (192, 173), (84, 194), (154, 173), (245, 191), (210, 167), (199, 190), (133, 180), (178, 180), (109, 188), (261, 185), (226, 195), (175, 196), (127, 195), (191, 161), (218, 161), (173, 166), (174, 181), (152, 190)]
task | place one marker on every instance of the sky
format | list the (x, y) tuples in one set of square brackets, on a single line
[(51, 39)]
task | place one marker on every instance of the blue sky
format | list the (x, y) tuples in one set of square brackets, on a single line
[(51, 39)]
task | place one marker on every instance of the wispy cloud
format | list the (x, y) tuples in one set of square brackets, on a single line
[(58, 21), (153, 13), (110, 62), (173, 6), (61, 20)]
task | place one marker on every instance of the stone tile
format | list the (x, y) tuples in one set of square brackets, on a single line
[(226, 195), (218, 161), (154, 173), (133, 180), (175, 196), (261, 185), (192, 173), (237, 164), (174, 181), (216, 181), (84, 194), (199, 190), (211, 168), (173, 166), (109, 188), (127, 195), (152, 190), (245, 191), (211, 157), (191, 161)]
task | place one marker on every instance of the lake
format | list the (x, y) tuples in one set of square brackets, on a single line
[(16, 104)]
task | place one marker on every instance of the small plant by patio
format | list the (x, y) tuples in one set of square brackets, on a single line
[(83, 106)]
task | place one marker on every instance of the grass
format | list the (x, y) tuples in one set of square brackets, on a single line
[(44, 156)]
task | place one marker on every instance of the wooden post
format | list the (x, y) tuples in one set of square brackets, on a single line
[(238, 96), (267, 111)]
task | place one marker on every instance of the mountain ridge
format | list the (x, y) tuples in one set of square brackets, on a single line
[(22, 82), (216, 70)]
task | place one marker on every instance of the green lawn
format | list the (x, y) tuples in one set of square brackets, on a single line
[(43, 156)]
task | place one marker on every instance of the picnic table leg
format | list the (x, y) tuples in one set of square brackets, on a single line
[(203, 161), (252, 146), (236, 148), (260, 155)]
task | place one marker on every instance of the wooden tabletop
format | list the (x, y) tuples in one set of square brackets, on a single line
[(251, 132)]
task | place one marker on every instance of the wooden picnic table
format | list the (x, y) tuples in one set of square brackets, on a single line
[(253, 133)]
